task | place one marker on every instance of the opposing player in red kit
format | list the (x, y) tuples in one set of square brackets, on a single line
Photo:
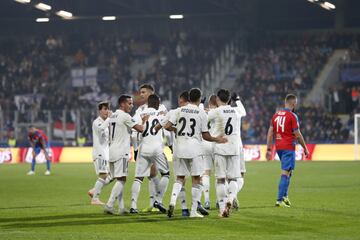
[(285, 126)]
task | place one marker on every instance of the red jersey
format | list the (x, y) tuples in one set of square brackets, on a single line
[(284, 123), (37, 135)]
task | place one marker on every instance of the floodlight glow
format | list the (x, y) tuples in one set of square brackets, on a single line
[(64, 14), (43, 7), (179, 16), (42, 20), (109, 18), (330, 5), (23, 1)]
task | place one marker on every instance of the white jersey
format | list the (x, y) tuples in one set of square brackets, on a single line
[(121, 124), (151, 142), (100, 132), (137, 118), (227, 122), (191, 122), (209, 146)]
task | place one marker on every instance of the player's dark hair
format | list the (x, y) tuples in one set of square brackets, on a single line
[(223, 95), (194, 94), (103, 104), (154, 101), (184, 96), (212, 100), (123, 98), (290, 97), (148, 86)]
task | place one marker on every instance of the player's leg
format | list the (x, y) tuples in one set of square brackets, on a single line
[(153, 185), (35, 152), (48, 155), (196, 168), (206, 180), (119, 170), (101, 169), (221, 192), (142, 169), (286, 195), (287, 159), (162, 165), (181, 171), (182, 199), (232, 174)]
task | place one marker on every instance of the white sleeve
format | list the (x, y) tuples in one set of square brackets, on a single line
[(240, 108), (128, 121), (165, 119), (201, 106), (211, 115), (204, 122), (172, 117)]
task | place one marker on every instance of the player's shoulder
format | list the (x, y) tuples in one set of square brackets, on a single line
[(162, 107)]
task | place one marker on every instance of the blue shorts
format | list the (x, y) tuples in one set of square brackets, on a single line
[(287, 159), (38, 148)]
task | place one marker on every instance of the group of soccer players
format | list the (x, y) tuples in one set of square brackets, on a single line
[(200, 138)]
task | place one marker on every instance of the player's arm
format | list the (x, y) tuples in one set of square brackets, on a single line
[(219, 139), (269, 142), (239, 106), (169, 126), (140, 127), (31, 142), (301, 140)]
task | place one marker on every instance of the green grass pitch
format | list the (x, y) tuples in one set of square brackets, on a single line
[(325, 198)]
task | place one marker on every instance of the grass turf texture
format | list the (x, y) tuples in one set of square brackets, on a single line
[(325, 198)]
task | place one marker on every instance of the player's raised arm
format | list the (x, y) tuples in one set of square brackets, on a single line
[(239, 106), (269, 142)]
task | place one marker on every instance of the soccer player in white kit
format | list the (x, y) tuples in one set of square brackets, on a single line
[(227, 156), (240, 181), (121, 124), (151, 153), (156, 185), (191, 127), (100, 153), (208, 157)]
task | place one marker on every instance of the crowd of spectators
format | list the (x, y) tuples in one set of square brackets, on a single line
[(35, 75), (35, 71), (278, 65)]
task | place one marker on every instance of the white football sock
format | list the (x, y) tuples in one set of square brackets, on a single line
[(121, 201), (175, 192), (135, 190), (240, 183), (226, 187), (196, 195), (206, 187), (99, 184), (107, 180), (233, 190), (221, 195), (153, 187), (115, 192), (182, 198), (163, 184)]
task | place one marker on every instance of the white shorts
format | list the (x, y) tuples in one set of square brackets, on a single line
[(143, 164), (227, 166), (208, 162), (101, 166), (242, 161), (189, 166), (119, 168)]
